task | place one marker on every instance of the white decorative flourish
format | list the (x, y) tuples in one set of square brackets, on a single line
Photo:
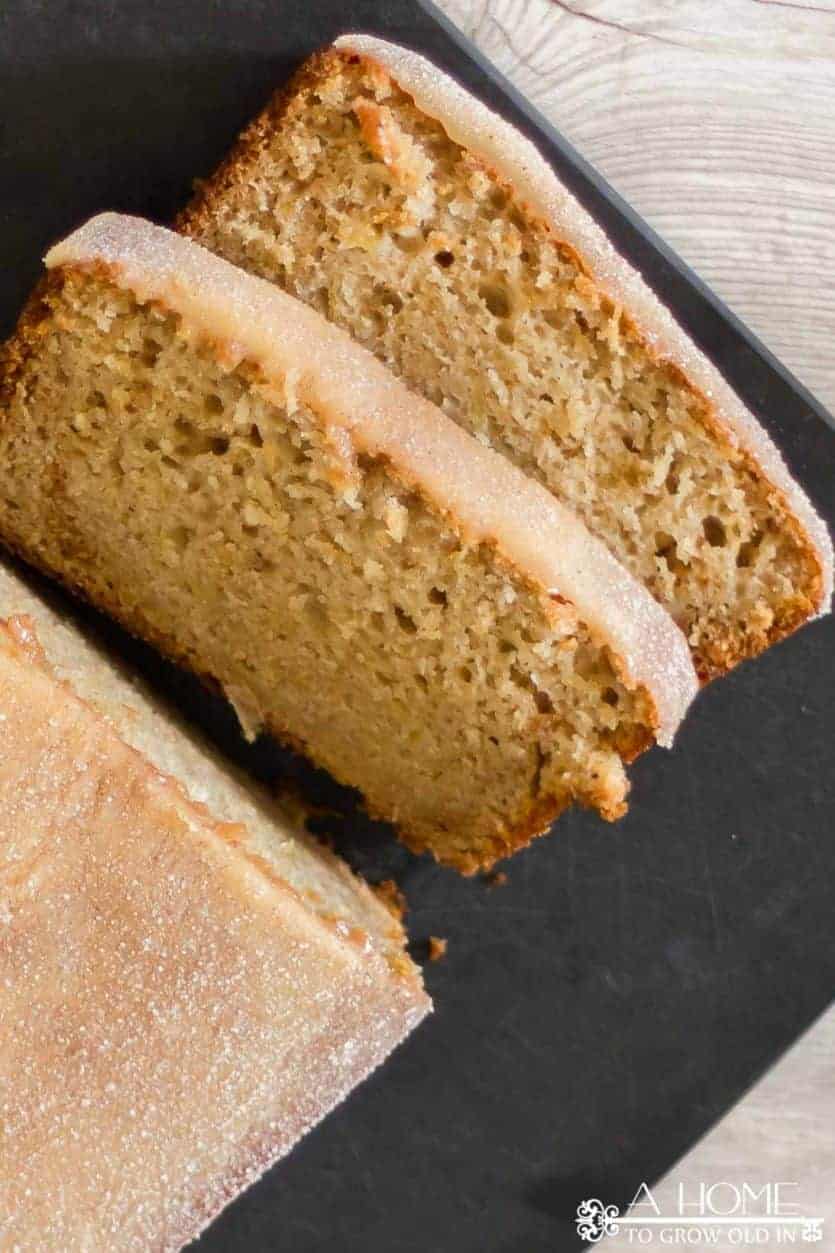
[(812, 1230), (595, 1220)]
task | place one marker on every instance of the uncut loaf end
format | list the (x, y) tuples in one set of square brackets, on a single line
[(239, 482), (377, 190), (186, 987)]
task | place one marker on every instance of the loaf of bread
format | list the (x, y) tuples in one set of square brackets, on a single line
[(378, 191), (174, 1015), (236, 480)]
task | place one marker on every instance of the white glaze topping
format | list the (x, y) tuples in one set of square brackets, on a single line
[(173, 1017), (473, 126), (366, 407)]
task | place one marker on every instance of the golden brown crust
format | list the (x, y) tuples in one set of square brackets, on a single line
[(19, 347), (719, 649), (197, 214)]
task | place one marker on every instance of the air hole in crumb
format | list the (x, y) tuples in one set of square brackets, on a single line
[(219, 445), (408, 243), (496, 299), (405, 621), (748, 551), (96, 400), (437, 596), (498, 198), (444, 258), (213, 403), (547, 397), (181, 536), (150, 352), (629, 443), (581, 320), (714, 531), (543, 702), (504, 334), (519, 677), (150, 445), (610, 696), (465, 673), (667, 548), (255, 437), (389, 298)]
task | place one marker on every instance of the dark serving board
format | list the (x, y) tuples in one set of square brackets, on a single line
[(601, 1010)]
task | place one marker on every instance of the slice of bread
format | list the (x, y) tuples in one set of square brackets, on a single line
[(174, 1015), (235, 479), (377, 190)]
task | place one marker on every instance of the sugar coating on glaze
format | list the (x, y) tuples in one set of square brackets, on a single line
[(473, 126), (173, 1018), (366, 410)]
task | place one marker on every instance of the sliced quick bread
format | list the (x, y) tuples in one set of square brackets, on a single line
[(235, 479), (377, 190)]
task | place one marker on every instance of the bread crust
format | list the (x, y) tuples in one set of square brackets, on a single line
[(720, 650)]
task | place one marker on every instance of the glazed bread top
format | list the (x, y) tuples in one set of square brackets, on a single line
[(174, 1016), (471, 124), (367, 411)]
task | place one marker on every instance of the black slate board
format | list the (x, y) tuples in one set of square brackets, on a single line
[(599, 1012)]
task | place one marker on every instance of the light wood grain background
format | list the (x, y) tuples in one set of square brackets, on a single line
[(716, 120)]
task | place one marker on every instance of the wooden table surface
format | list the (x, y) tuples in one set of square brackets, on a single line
[(715, 119)]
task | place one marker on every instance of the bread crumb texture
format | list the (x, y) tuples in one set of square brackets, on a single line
[(352, 199), (212, 513)]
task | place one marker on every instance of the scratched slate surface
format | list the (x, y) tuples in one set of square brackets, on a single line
[(598, 1012)]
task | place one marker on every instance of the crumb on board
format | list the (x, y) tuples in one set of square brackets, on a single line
[(437, 948), (495, 879)]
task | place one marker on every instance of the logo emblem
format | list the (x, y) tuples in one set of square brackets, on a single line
[(595, 1220)]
